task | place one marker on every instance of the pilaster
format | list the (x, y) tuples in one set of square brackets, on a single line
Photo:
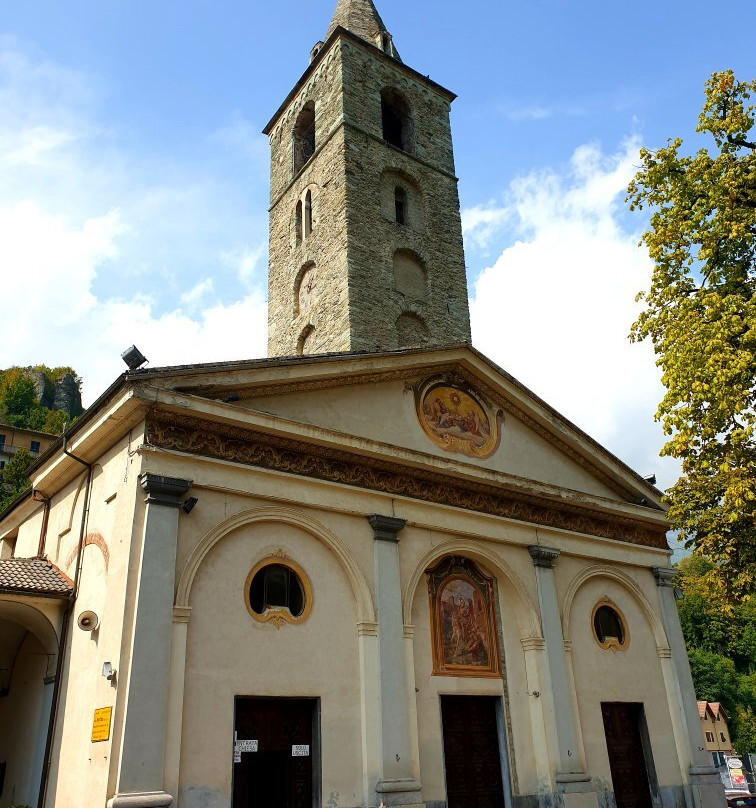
[(396, 784), (570, 775), (140, 781), (705, 788)]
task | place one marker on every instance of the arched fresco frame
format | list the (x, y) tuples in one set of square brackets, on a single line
[(526, 612)]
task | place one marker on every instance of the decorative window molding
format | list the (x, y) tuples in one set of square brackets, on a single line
[(607, 621), (293, 590)]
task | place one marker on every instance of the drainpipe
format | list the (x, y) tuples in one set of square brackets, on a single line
[(65, 626), (43, 529)]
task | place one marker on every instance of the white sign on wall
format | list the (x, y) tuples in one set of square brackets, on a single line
[(300, 750), (245, 746)]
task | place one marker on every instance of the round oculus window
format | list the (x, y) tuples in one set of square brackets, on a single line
[(278, 590), (609, 627)]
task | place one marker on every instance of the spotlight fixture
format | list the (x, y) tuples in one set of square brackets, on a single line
[(650, 478), (133, 357), (189, 503)]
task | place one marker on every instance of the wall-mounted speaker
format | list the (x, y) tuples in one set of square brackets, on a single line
[(88, 621)]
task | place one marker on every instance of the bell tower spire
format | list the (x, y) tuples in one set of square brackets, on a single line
[(365, 232), (361, 18)]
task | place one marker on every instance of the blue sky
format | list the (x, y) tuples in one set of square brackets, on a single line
[(134, 179)]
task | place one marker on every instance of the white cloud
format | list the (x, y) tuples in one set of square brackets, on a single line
[(481, 222), (556, 307), (100, 243)]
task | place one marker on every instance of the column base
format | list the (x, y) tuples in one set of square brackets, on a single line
[(140, 799), (405, 792)]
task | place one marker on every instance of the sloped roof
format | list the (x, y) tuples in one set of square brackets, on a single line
[(717, 709), (702, 705), (33, 576), (358, 16)]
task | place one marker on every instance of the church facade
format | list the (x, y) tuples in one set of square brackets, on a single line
[(372, 570)]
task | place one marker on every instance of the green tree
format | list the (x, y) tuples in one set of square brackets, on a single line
[(700, 314), (18, 398), (13, 479)]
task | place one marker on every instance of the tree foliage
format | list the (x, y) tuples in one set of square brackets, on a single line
[(721, 641), (13, 479), (20, 405), (700, 314)]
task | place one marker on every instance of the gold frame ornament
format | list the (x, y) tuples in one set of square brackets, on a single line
[(278, 615), (457, 419), (610, 643), (463, 626)]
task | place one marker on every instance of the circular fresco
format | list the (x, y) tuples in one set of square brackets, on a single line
[(456, 420)]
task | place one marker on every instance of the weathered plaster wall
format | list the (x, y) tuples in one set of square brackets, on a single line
[(80, 766), (230, 654)]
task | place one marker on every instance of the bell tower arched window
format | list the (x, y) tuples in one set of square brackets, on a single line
[(298, 222), (400, 205), (308, 214), (304, 136), (396, 117)]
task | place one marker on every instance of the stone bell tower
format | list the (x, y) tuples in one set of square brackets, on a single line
[(365, 233)]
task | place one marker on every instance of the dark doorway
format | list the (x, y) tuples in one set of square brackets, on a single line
[(281, 773), (623, 724), (471, 752)]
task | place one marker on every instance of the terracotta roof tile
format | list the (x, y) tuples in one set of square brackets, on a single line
[(33, 576), (701, 709)]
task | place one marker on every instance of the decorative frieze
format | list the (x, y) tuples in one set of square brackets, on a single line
[(210, 439)]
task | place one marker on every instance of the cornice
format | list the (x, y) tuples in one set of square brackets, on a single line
[(455, 373), (196, 436)]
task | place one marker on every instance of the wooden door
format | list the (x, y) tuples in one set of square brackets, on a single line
[(471, 752), (627, 762), (273, 777)]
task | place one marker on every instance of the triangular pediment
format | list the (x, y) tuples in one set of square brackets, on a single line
[(450, 405)]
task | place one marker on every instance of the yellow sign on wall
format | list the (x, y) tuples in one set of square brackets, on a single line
[(101, 724)]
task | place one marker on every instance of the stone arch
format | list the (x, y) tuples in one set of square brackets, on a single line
[(305, 340), (33, 620), (393, 180), (303, 137), (303, 297), (410, 275), (411, 330), (526, 612), (397, 121), (627, 583), (290, 516)]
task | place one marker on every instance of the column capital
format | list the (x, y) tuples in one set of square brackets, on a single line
[(665, 576), (543, 556), (163, 490), (386, 528)]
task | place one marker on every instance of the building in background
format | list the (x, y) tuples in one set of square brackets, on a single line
[(715, 730), (13, 438)]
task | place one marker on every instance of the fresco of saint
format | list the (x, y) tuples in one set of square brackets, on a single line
[(463, 625), (462, 619)]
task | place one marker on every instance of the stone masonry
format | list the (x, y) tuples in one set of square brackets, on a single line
[(344, 286)]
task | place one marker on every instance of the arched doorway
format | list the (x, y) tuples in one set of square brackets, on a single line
[(28, 660)]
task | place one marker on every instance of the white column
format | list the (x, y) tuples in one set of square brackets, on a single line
[(140, 782), (706, 786), (542, 719), (397, 785), (370, 692), (571, 774), (181, 616)]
